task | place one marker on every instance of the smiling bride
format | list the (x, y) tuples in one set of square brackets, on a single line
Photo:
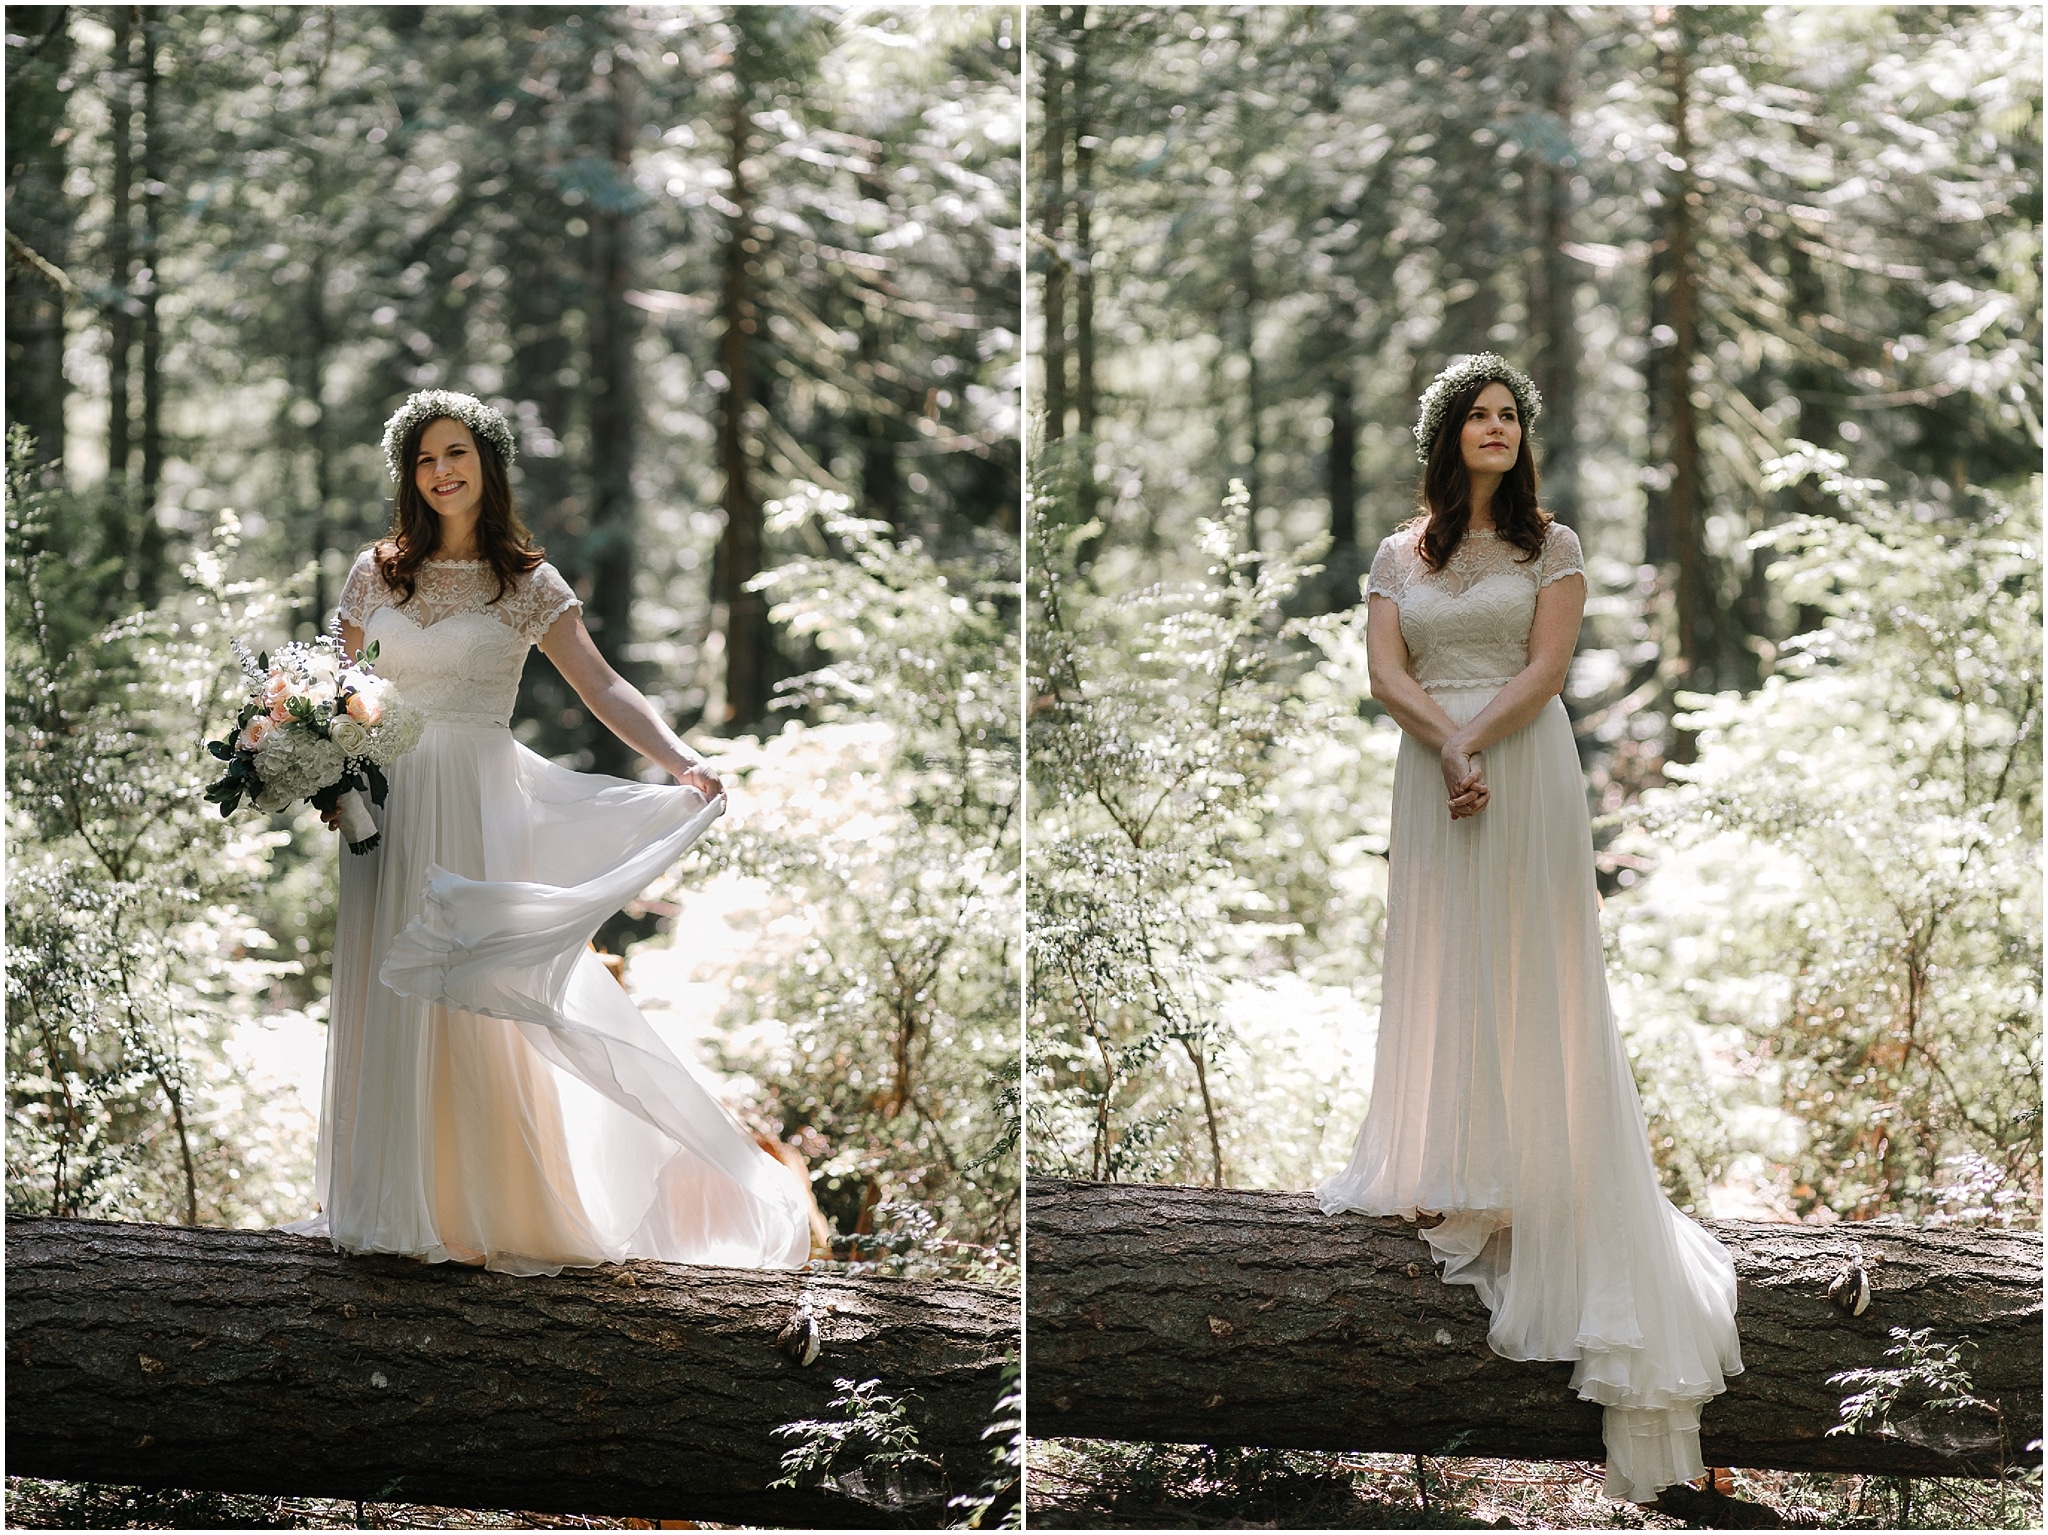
[(492, 1095)]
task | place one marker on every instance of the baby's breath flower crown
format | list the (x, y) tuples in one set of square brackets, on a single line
[(430, 404), (1491, 366)]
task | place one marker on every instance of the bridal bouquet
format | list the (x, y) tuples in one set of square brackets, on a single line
[(318, 727)]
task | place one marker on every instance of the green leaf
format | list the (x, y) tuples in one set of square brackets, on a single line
[(379, 787), (222, 750)]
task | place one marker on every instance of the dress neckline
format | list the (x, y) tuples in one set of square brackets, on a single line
[(453, 564), (1423, 527)]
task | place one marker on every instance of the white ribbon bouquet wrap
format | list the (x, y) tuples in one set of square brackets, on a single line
[(317, 726)]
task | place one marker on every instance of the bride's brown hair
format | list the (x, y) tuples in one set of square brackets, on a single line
[(1446, 489), (501, 537)]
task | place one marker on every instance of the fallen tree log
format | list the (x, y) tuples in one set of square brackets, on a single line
[(243, 1361), (1241, 1317)]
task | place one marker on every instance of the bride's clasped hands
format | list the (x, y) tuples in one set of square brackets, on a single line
[(1465, 778)]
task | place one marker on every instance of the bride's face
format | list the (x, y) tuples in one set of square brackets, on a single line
[(447, 471), (1493, 432)]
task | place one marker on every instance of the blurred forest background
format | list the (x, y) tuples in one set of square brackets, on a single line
[(746, 281), (1776, 271)]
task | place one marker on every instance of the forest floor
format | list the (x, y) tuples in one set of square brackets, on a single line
[(39, 1505), (1081, 1484)]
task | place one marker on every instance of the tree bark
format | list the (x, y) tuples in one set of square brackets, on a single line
[(152, 554), (1683, 505), (1248, 1317), (40, 216), (614, 413), (1554, 307), (246, 1361), (1052, 222), (120, 308), (309, 356), (1344, 557), (1088, 493), (739, 553)]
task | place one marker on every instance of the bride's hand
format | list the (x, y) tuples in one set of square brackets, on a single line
[(1465, 779), (703, 777), (331, 819)]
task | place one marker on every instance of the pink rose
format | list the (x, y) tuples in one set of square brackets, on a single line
[(276, 690), (365, 708), (281, 710), (253, 733)]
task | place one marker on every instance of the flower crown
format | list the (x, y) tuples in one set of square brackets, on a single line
[(1491, 366), (484, 421)]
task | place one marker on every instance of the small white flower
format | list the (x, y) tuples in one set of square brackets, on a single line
[(397, 733)]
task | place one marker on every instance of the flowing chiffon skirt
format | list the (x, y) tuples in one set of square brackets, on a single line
[(1502, 1097), (492, 1094)]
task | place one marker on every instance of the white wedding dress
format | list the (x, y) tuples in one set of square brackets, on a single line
[(492, 1094), (1501, 1092)]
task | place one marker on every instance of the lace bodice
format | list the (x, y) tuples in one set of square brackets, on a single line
[(451, 650), (1467, 625)]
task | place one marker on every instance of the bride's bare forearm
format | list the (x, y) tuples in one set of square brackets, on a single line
[(1418, 714), (1519, 701), (624, 710)]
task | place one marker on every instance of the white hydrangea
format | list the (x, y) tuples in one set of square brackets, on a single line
[(294, 762), (397, 733), (270, 800)]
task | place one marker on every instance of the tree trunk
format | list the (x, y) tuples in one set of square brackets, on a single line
[(544, 286), (1247, 1317), (120, 267), (1345, 561), (739, 552), (608, 550), (1089, 494), (1814, 385), (310, 363), (309, 357), (38, 215), (1052, 220), (246, 1361), (1554, 308), (152, 551), (1657, 542), (881, 471), (1683, 500)]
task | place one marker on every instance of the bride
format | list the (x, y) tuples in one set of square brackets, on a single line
[(492, 1095), (1502, 1096)]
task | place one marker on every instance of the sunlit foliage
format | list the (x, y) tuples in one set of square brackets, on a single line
[(879, 1004), (136, 916), (1848, 884), (1207, 835)]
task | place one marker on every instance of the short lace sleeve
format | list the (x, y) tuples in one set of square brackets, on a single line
[(364, 592), (1561, 556), (1391, 566), (542, 598)]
